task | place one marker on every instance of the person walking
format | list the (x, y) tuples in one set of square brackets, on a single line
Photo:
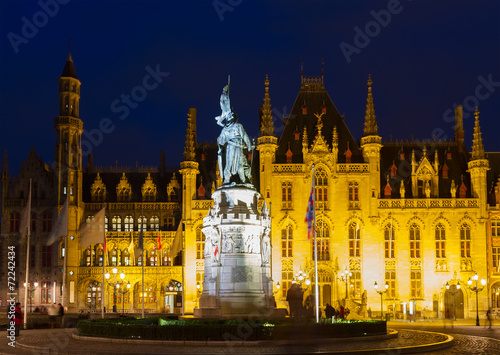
[(61, 315), (18, 318), (52, 315), (489, 316)]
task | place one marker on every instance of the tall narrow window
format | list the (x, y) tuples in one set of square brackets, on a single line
[(126, 258), (353, 191), (495, 228), (440, 241), (389, 241), (356, 288), (114, 257), (47, 256), (14, 221), (354, 240), (116, 223), (142, 222), (465, 241), (153, 258), (200, 243), (287, 242), (322, 240), (286, 279), (321, 184), (47, 222), (416, 283), (286, 195), (154, 222), (495, 252), (414, 241), (390, 279), (46, 292), (128, 226)]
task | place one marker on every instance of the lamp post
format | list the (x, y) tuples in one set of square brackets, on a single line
[(31, 290), (123, 292), (453, 293), (345, 277), (114, 283), (476, 289), (381, 292)]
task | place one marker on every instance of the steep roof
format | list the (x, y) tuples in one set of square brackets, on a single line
[(313, 96), (69, 68)]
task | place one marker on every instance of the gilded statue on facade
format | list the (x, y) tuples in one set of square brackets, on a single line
[(233, 164)]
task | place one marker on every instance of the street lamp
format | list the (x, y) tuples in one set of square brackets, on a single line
[(115, 284), (123, 292), (381, 292), (453, 293), (31, 290), (345, 278), (300, 279), (476, 289)]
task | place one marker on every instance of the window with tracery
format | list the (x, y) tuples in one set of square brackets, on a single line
[(354, 240), (322, 240), (414, 241), (389, 241), (440, 233), (465, 241), (287, 242)]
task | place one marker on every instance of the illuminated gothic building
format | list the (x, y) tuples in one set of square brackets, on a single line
[(410, 215)]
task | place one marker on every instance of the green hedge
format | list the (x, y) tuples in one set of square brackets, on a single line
[(226, 330)]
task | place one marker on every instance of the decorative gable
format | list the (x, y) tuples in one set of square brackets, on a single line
[(172, 188), (123, 189), (148, 189), (425, 176), (98, 190)]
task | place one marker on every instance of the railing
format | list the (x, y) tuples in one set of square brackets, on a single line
[(202, 204), (353, 168), (288, 168), (428, 203), (127, 206)]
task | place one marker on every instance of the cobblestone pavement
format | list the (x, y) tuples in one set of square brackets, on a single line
[(60, 341)]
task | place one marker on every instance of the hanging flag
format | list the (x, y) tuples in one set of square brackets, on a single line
[(140, 247), (177, 244), (159, 241), (216, 252), (310, 213), (93, 231), (61, 225), (131, 246), (25, 218)]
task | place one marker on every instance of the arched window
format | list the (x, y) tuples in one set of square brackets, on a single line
[(114, 257), (389, 241), (94, 295), (116, 223), (154, 223), (165, 260), (321, 184), (99, 255), (286, 195), (200, 243), (465, 241), (88, 256), (356, 288), (125, 258), (142, 223), (14, 221), (414, 241), (354, 240), (47, 222), (440, 241), (153, 258), (322, 240), (149, 195), (123, 195), (98, 195), (287, 242), (129, 223)]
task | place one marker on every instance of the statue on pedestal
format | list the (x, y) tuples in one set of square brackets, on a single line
[(233, 164)]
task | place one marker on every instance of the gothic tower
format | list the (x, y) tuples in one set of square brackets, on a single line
[(68, 166), (478, 166), (267, 144), (189, 171), (371, 143)]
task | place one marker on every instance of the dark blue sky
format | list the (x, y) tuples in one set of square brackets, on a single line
[(427, 57)]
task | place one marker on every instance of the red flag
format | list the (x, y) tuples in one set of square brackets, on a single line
[(216, 251), (159, 241), (105, 246)]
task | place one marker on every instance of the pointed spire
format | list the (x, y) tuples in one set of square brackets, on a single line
[(69, 67), (477, 141), (189, 147), (335, 137), (305, 139), (267, 127), (371, 128)]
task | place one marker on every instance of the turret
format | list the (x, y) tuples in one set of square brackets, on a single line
[(478, 167), (371, 143), (267, 144)]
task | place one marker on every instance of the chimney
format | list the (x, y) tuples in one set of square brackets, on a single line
[(90, 163), (459, 127)]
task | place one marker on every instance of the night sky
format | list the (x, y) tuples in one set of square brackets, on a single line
[(425, 57)]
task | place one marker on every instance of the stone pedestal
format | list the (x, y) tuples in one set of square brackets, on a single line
[(237, 280)]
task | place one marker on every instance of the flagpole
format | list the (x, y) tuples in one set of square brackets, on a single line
[(103, 288), (142, 256), (28, 213), (64, 269), (182, 270), (316, 289)]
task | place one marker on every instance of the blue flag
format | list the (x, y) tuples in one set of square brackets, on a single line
[(310, 212)]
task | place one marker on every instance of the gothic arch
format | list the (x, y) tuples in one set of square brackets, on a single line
[(390, 220), (415, 220), (466, 219)]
